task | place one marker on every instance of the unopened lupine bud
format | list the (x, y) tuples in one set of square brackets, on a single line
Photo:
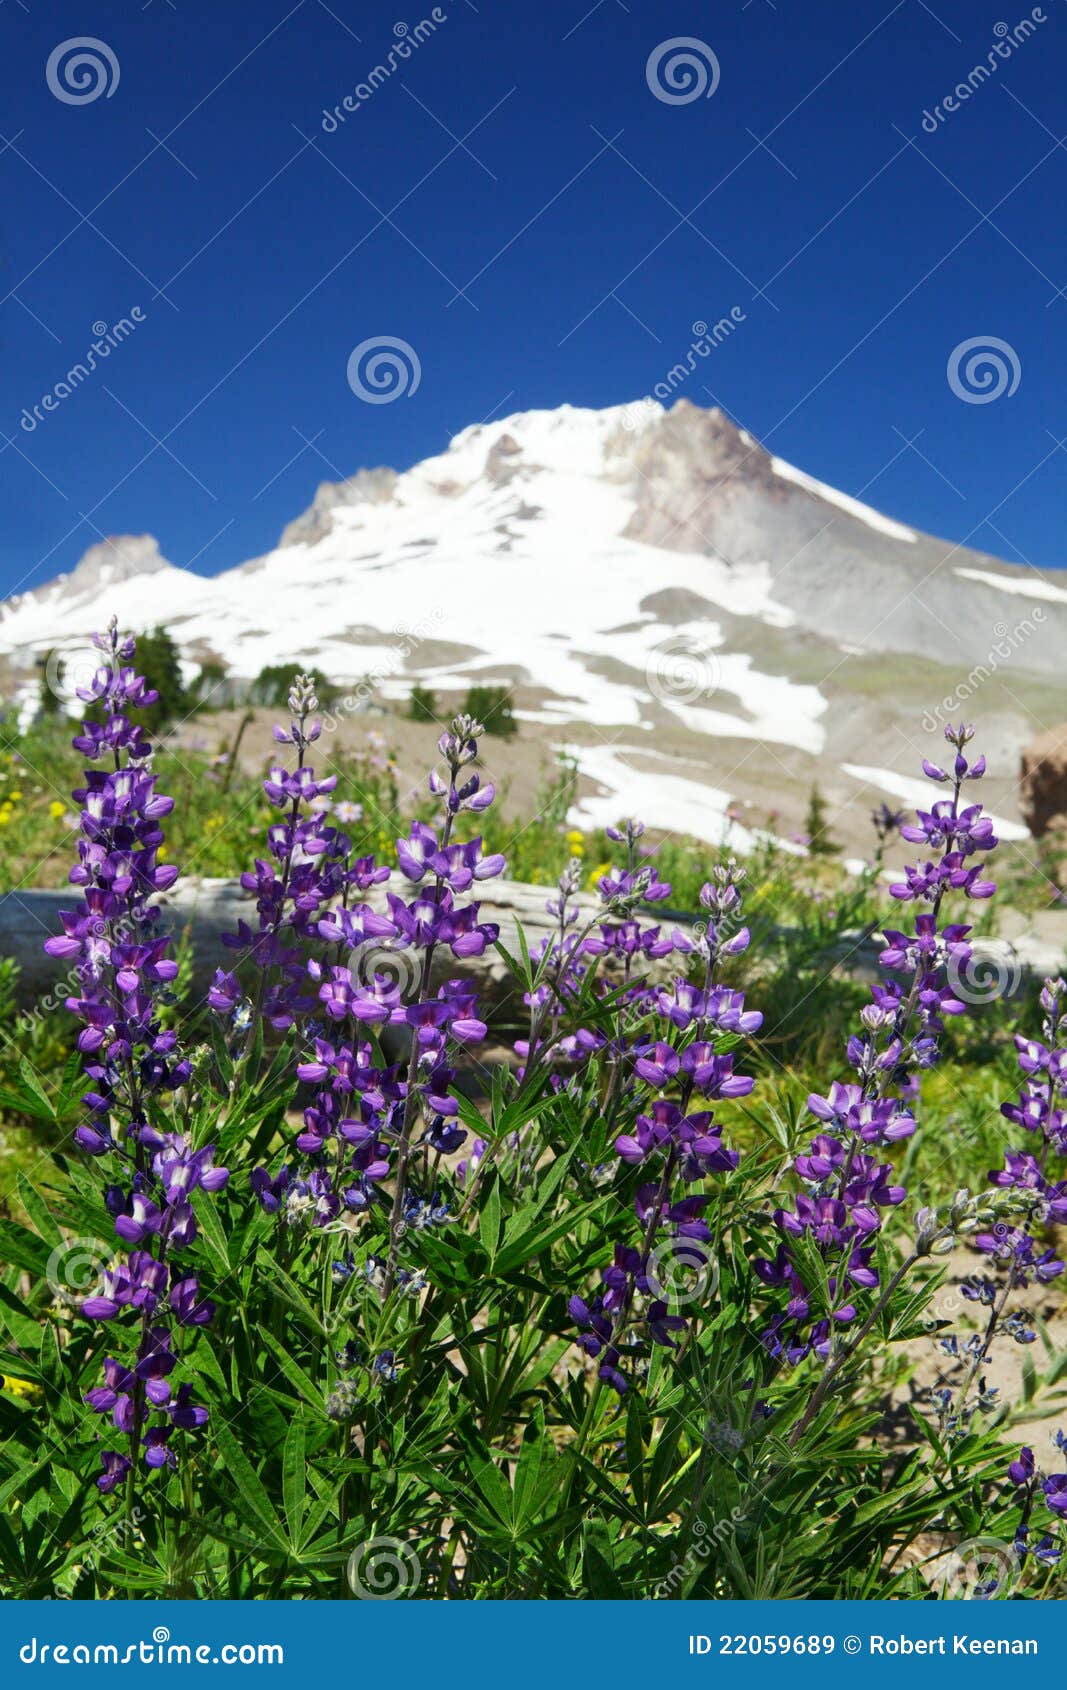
[(343, 1401)]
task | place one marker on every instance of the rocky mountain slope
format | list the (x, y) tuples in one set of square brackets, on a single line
[(706, 623)]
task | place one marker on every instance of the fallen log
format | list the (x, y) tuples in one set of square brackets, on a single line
[(202, 910)]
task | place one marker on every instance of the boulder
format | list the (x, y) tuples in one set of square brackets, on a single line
[(1043, 783)]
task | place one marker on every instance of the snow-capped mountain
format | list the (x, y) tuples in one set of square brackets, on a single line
[(655, 585)]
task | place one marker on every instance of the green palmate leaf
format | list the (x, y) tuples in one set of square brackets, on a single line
[(296, 1375), (28, 1096), (284, 1287), (519, 1246), (23, 1249), (39, 1212), (489, 1220), (22, 1325), (635, 1448), (239, 1471), (294, 1478), (212, 1234)]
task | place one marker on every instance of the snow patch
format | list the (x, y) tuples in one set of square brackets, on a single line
[(874, 519), (920, 794), (1038, 588)]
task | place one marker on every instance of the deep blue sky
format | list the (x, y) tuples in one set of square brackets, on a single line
[(565, 229)]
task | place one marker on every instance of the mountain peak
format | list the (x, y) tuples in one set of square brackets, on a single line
[(118, 557)]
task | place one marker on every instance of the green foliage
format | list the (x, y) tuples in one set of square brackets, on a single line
[(273, 684), (817, 828), (422, 705), (157, 660), (491, 705), (494, 1459), (211, 688)]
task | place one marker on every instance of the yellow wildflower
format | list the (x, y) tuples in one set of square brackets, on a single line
[(20, 1387), (56, 809)]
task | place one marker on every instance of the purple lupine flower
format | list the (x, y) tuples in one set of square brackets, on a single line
[(678, 1144), (310, 865), (847, 1187), (129, 1058), (1018, 1247)]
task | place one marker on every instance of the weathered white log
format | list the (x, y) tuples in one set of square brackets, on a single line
[(207, 908)]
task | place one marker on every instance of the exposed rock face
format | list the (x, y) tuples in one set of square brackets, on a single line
[(1043, 783), (366, 487), (706, 621), (120, 557)]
